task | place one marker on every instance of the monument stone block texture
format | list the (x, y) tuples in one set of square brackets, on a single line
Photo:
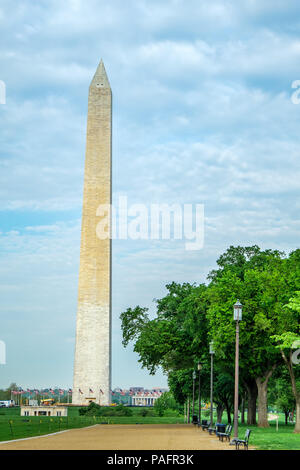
[(92, 364)]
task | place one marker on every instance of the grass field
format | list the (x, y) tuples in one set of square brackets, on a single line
[(270, 439), (13, 426)]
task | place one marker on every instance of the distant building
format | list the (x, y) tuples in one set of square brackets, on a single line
[(136, 396), (136, 389), (160, 389), (145, 398), (45, 410), (120, 396)]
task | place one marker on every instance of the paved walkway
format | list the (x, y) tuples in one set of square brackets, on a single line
[(124, 437)]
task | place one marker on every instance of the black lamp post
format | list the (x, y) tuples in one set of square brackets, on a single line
[(199, 393), (194, 378), (237, 316), (211, 352)]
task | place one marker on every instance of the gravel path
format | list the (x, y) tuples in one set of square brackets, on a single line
[(124, 437)]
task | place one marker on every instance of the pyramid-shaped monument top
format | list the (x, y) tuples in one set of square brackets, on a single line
[(100, 79)]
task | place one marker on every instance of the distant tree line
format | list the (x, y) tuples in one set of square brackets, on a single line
[(5, 394), (190, 316)]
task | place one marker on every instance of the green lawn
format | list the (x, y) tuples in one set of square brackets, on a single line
[(13, 426), (271, 439)]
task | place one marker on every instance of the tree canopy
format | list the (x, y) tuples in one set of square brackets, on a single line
[(189, 316)]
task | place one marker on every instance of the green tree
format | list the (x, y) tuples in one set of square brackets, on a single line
[(281, 395), (288, 334), (165, 402), (132, 323), (223, 394), (5, 394), (174, 339), (181, 384), (285, 342), (254, 277), (189, 316)]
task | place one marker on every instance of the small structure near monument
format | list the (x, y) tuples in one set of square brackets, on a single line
[(44, 410)]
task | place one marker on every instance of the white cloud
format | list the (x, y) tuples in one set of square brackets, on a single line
[(202, 113)]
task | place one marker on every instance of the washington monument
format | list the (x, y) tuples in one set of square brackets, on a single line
[(92, 365)]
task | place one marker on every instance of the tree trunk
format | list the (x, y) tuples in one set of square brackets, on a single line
[(220, 410), (251, 388), (286, 415), (262, 388), (228, 410), (243, 409), (228, 414), (289, 364), (297, 426)]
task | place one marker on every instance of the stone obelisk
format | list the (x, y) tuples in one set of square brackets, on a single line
[(92, 365)]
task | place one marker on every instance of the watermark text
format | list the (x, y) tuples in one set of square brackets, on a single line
[(2, 92), (152, 222), (2, 353)]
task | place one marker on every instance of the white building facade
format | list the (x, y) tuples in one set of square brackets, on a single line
[(53, 411)]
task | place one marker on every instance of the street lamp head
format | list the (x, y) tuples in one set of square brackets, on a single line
[(194, 375), (200, 366), (211, 348), (237, 311)]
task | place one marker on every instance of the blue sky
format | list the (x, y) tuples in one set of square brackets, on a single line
[(202, 114)]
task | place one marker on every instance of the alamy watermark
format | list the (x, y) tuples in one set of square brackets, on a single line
[(2, 352), (152, 222), (295, 98), (296, 354), (2, 92)]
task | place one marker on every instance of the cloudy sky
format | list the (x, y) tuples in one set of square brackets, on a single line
[(203, 113)]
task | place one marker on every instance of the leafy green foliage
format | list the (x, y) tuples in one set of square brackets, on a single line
[(174, 337), (96, 410), (166, 402), (189, 316), (133, 321)]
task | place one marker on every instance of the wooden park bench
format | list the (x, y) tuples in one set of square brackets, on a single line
[(218, 429), (243, 442), (225, 434), (195, 419), (205, 424)]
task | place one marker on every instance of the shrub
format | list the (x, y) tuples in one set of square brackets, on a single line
[(122, 410), (92, 410), (171, 412), (96, 410)]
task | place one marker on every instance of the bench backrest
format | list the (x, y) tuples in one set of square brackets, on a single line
[(247, 434)]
